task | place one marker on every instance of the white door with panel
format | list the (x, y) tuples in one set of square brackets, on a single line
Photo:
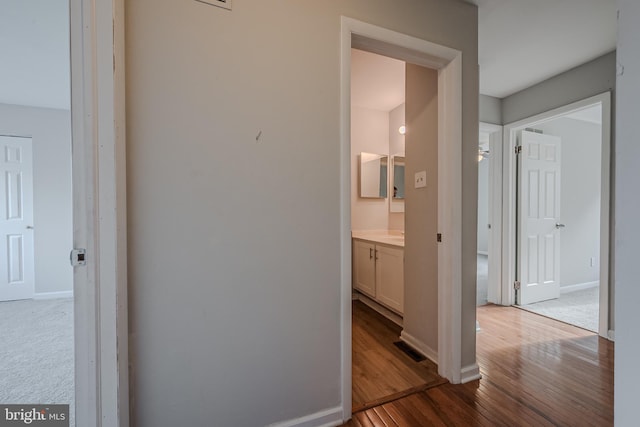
[(390, 277), (364, 267), (17, 279), (539, 218)]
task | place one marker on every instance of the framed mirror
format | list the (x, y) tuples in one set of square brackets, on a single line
[(397, 183), (373, 175)]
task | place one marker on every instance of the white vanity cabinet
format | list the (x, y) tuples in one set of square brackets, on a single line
[(378, 272)]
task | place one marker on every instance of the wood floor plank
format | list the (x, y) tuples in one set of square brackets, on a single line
[(536, 372), (381, 372)]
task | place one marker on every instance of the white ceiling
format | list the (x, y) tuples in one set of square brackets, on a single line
[(34, 47), (523, 42), (377, 82)]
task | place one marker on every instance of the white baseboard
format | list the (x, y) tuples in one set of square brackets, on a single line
[(485, 253), (394, 317), (427, 351), (53, 295), (328, 418), (611, 335), (470, 373), (579, 287)]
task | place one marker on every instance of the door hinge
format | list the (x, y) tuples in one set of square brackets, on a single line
[(518, 149), (439, 238), (516, 285), (78, 257)]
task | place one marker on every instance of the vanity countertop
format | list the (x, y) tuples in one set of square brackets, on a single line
[(387, 237)]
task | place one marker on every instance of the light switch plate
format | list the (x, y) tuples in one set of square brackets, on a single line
[(420, 179), (220, 3)]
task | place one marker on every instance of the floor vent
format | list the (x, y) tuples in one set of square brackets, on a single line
[(410, 351)]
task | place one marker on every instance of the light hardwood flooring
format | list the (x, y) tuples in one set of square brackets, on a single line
[(381, 371), (536, 372)]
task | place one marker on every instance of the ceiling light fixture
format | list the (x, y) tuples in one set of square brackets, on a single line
[(402, 129)]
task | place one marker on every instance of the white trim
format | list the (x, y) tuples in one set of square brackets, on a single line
[(578, 287), (426, 351), (53, 295), (611, 335), (470, 373), (327, 418), (494, 273), (448, 62), (485, 253), (98, 130), (382, 310), (509, 197)]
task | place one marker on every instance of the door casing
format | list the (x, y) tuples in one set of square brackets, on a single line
[(448, 62), (99, 212), (509, 202)]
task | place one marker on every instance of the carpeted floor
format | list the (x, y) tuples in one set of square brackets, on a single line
[(579, 308), (36, 352)]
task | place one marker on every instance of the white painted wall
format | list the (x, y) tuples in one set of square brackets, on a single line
[(234, 272), (396, 147), (627, 212), (370, 134), (483, 206), (580, 198), (51, 133)]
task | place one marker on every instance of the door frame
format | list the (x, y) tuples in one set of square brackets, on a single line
[(448, 62), (99, 212), (509, 198), (495, 134)]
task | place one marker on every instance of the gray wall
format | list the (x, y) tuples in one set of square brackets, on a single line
[(421, 207), (580, 198), (627, 212), (52, 193), (490, 110), (234, 279), (594, 77)]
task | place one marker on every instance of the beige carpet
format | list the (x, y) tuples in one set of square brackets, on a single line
[(36, 352)]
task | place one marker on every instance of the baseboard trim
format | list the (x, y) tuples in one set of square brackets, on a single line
[(427, 351), (579, 287), (611, 335), (53, 295), (394, 317), (328, 418), (470, 373)]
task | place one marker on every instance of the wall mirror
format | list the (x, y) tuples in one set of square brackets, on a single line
[(373, 175), (397, 183)]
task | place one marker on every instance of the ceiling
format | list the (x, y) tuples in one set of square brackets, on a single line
[(377, 82), (524, 42), (521, 43), (34, 47)]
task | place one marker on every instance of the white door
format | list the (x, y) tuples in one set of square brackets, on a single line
[(390, 277), (16, 219), (364, 267), (539, 218)]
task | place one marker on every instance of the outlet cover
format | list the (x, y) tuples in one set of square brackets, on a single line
[(220, 3), (420, 179)]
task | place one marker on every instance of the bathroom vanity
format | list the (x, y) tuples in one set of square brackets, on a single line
[(378, 267)]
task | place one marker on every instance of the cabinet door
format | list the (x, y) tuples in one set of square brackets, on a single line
[(390, 277), (364, 267)]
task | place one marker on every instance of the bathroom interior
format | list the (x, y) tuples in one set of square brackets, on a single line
[(394, 320)]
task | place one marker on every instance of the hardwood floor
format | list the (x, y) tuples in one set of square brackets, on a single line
[(536, 372), (381, 371)]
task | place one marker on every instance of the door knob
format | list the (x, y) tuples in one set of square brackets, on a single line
[(558, 225)]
